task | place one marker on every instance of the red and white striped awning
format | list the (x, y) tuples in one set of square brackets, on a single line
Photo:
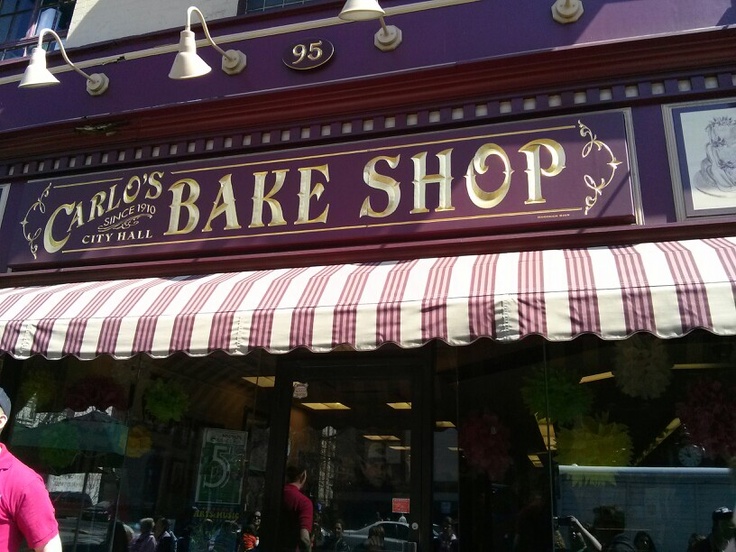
[(666, 289)]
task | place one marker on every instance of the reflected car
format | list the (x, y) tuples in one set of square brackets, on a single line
[(396, 535), (102, 511), (69, 503)]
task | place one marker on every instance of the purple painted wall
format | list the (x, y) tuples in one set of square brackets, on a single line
[(441, 37)]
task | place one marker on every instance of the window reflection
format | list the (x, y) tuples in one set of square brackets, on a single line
[(524, 436), (642, 428), (183, 439), (356, 445), (21, 21)]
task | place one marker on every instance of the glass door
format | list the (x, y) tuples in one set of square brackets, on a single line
[(357, 431)]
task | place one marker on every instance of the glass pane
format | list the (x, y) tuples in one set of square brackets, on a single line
[(11, 53), (9, 6), (55, 14), (624, 436), (65, 18), (19, 26), (5, 28), (488, 495), (653, 440), (181, 439), (354, 437)]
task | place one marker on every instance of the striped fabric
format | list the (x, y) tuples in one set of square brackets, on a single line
[(665, 288)]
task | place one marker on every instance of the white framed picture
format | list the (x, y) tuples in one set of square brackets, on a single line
[(701, 142)]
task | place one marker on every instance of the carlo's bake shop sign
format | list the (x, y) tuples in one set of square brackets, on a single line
[(552, 173)]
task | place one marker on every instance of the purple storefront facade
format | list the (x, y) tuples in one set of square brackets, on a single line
[(478, 283)]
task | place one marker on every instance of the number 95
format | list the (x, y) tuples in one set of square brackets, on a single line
[(312, 53)]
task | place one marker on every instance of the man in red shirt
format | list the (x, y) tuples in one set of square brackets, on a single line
[(25, 507), (296, 513)]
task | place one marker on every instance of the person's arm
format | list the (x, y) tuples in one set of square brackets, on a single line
[(305, 543), (54, 545), (587, 535)]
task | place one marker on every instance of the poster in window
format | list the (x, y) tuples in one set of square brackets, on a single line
[(220, 476), (701, 139)]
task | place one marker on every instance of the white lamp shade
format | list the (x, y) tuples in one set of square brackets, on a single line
[(187, 63), (36, 74), (361, 10)]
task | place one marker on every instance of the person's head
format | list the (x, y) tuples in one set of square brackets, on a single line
[(256, 521), (120, 536), (162, 524), (377, 532), (643, 542), (374, 467), (250, 529), (723, 528), (4, 408), (447, 526), (339, 528), (694, 541), (146, 525), (608, 522), (296, 474)]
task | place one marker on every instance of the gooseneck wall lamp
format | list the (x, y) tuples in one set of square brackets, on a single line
[(37, 75), (388, 37), (188, 64)]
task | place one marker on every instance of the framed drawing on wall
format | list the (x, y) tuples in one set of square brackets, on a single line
[(701, 143)]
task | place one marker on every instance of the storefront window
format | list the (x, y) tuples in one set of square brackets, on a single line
[(630, 438), (491, 487), (117, 441), (352, 428), (516, 447)]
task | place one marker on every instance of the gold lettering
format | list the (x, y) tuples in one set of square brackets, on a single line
[(132, 189), (111, 199), (95, 205), (155, 184), (421, 179), (178, 202), (386, 184), (478, 166), (50, 244), (534, 172), (259, 198), (224, 203), (78, 218), (307, 192)]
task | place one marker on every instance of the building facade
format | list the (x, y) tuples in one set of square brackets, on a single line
[(470, 261)]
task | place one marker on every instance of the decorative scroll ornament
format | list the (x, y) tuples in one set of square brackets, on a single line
[(39, 206), (590, 182)]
